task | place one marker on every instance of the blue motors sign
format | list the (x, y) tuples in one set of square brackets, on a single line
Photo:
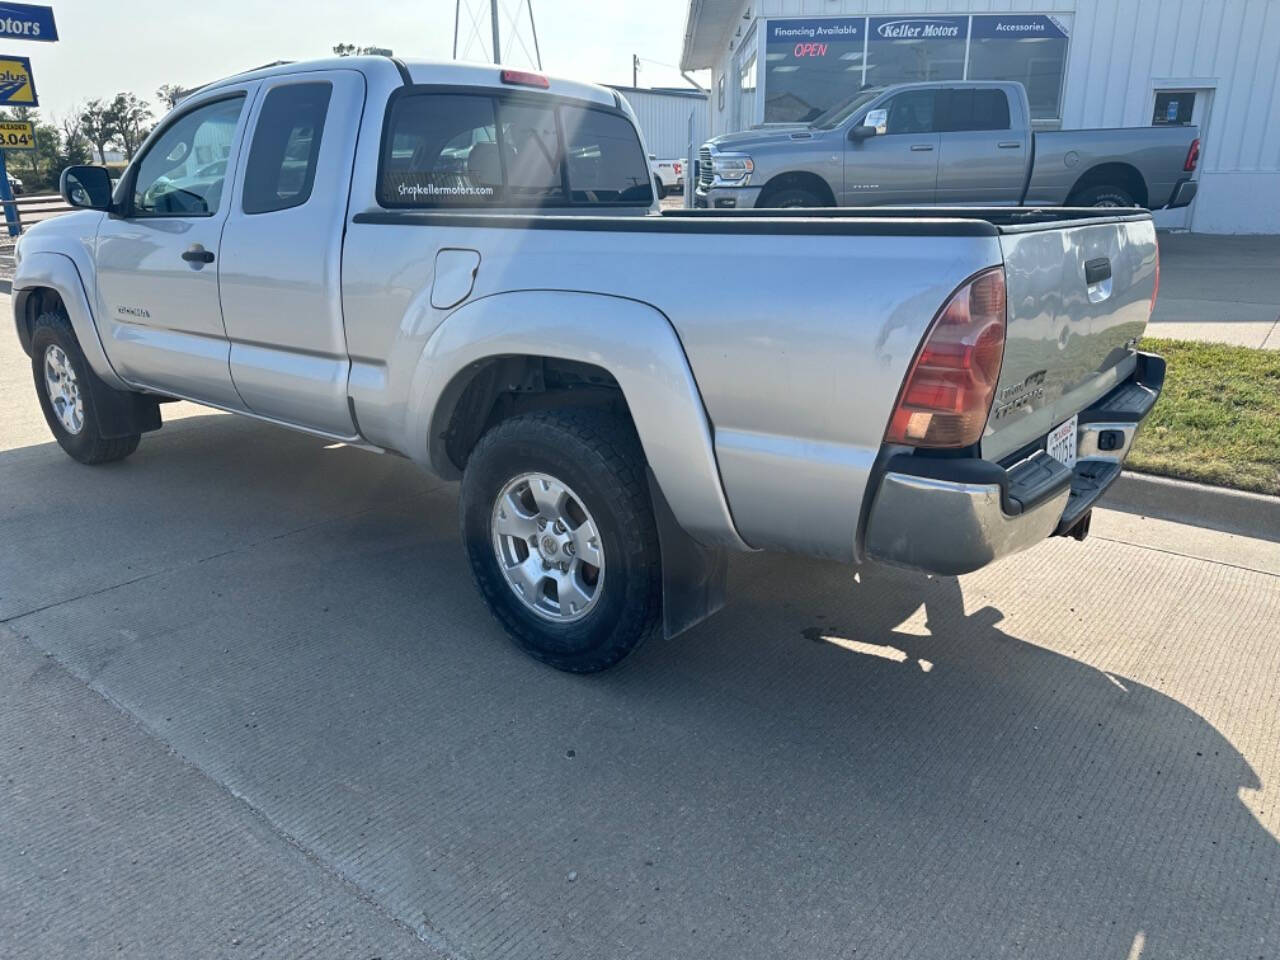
[(918, 28), (24, 21)]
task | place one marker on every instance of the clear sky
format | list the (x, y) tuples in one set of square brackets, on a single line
[(111, 45)]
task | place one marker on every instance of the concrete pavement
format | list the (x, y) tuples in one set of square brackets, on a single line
[(318, 743), (1224, 289)]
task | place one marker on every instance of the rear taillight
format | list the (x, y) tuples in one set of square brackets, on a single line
[(523, 78), (1193, 156), (676, 166), (947, 394)]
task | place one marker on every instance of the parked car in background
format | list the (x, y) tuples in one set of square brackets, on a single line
[(627, 397), (947, 144), (669, 174), (15, 185)]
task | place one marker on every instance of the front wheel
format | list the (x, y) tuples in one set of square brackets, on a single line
[(62, 379), (786, 199), (560, 533)]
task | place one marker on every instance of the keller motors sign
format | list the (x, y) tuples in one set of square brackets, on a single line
[(918, 28)]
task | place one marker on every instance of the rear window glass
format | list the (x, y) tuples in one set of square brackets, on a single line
[(973, 110), (604, 159), (474, 150)]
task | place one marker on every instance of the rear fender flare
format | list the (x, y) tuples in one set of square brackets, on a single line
[(633, 341)]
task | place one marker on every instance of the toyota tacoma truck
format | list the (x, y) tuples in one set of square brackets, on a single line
[(946, 144), (466, 266)]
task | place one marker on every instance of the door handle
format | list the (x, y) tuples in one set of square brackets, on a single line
[(197, 254), (1008, 144), (922, 146)]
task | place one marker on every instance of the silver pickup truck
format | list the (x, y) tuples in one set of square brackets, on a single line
[(946, 144), (466, 266)]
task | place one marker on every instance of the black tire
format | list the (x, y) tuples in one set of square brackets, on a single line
[(87, 445), (791, 198), (599, 457), (660, 187), (1104, 196)]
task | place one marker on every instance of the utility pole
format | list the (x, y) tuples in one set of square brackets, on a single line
[(635, 69), (493, 19)]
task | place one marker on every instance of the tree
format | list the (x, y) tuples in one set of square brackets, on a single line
[(98, 126), (75, 145), (351, 50), (170, 94), (129, 117)]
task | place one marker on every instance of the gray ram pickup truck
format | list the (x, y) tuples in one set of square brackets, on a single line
[(947, 144), (466, 266)]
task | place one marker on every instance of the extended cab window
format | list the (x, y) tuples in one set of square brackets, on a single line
[(286, 147), (972, 109), (183, 172), (911, 112), (476, 150)]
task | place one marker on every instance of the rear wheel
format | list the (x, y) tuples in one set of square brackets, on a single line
[(660, 187), (1104, 196), (559, 529), (62, 379)]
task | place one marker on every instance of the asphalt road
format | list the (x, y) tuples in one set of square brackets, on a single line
[(252, 706)]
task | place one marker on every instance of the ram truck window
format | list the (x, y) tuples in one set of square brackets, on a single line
[(467, 266)]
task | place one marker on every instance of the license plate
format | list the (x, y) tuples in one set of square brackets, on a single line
[(1061, 443)]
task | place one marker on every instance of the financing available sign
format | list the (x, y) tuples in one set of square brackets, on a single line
[(25, 21), (17, 86)]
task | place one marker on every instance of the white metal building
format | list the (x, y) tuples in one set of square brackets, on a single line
[(663, 115), (1086, 63)]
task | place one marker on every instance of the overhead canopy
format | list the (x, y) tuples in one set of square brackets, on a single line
[(704, 31)]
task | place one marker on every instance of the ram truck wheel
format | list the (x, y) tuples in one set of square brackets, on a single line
[(1103, 197), (559, 529), (63, 384)]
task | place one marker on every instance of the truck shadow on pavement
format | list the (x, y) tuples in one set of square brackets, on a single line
[(829, 767)]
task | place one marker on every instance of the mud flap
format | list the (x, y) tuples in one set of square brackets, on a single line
[(121, 413), (694, 578)]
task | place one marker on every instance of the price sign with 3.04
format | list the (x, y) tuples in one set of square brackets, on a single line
[(17, 135)]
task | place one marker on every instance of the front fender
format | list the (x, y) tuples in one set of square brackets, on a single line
[(58, 272), (633, 341)]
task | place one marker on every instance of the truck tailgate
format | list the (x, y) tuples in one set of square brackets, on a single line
[(1079, 296)]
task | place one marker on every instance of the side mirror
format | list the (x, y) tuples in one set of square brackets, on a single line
[(87, 187), (858, 134), (879, 119)]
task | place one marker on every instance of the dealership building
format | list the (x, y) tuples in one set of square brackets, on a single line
[(1084, 63)]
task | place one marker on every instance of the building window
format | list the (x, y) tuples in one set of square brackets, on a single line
[(747, 92), (810, 65), (914, 49), (1029, 49), (813, 65)]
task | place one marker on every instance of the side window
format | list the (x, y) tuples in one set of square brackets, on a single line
[(911, 112), (971, 109), (606, 164), (440, 150), (531, 152), (183, 171), (286, 146)]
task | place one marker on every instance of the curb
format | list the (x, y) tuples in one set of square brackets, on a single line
[(1231, 511)]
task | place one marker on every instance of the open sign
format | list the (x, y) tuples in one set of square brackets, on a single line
[(810, 50)]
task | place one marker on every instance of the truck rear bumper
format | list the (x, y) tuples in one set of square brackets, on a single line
[(953, 515), (1184, 191)]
